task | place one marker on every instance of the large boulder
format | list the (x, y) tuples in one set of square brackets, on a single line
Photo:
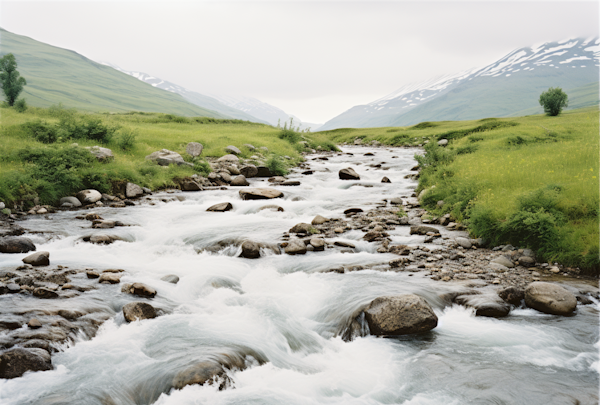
[(208, 372), (348, 174), (69, 202), (295, 247), (550, 298), (89, 196), (303, 227), (135, 311), (319, 220), (133, 190), (220, 207), (504, 261), (38, 259), (194, 149), (233, 150), (100, 153), (249, 171), (318, 244), (165, 157), (16, 362), (484, 305), (16, 244), (260, 194), (263, 171), (139, 289), (399, 315), (228, 159), (190, 185), (250, 250), (422, 230), (239, 181)]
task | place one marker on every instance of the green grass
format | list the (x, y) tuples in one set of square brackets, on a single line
[(55, 75), (493, 169), (30, 168)]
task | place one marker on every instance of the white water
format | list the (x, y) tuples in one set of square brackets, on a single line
[(283, 312)]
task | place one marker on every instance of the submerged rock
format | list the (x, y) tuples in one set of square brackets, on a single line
[(484, 305), (170, 278), (422, 230), (16, 362), (400, 315), (550, 298)]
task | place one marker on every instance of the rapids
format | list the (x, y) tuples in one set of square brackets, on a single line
[(284, 313)]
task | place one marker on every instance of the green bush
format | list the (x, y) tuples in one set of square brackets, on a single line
[(487, 126), (276, 166), (41, 131), (424, 125), (20, 105), (290, 135), (126, 140), (202, 167), (466, 149)]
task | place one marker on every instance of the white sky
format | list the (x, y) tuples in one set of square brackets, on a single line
[(313, 59)]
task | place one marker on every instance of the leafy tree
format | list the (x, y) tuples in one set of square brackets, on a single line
[(554, 100), (10, 79)]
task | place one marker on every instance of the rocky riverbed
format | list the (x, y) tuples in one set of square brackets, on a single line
[(259, 277)]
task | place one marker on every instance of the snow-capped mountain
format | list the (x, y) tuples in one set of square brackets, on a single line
[(505, 87), (240, 107)]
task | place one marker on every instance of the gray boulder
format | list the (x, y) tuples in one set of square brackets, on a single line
[(228, 159), (16, 362), (221, 207), (89, 196), (504, 261), (133, 190), (399, 315), (233, 150), (550, 298), (302, 227), (190, 185), (295, 247), (194, 149), (484, 305), (16, 244), (318, 244), (319, 220), (239, 181), (250, 250), (100, 153), (38, 259), (464, 242), (442, 142), (170, 278), (139, 289), (348, 174), (422, 230), (138, 311), (526, 261), (70, 200), (260, 194), (249, 171), (165, 157)]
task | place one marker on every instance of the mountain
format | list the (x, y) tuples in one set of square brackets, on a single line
[(56, 75), (193, 97), (241, 107), (506, 87)]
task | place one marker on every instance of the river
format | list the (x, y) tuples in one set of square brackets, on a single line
[(283, 313)]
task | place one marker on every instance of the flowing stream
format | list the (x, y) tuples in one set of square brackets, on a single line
[(283, 313)]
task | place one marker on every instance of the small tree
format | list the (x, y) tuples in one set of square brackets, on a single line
[(554, 100), (10, 79)]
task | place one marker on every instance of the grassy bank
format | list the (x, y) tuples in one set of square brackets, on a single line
[(530, 181), (38, 161)]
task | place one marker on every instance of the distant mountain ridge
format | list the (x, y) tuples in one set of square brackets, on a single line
[(56, 75), (509, 85), (241, 107)]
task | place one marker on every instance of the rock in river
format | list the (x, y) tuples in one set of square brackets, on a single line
[(221, 207), (38, 259), (14, 363), (139, 289), (260, 194), (250, 250), (239, 181), (348, 174), (422, 230), (249, 171), (399, 315), (550, 298), (89, 196), (138, 311), (16, 244), (295, 247)]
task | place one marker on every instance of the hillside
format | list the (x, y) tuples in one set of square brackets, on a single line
[(55, 75), (506, 87)]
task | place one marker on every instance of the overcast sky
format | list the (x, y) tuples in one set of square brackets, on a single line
[(313, 59)]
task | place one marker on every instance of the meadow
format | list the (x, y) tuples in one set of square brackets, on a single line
[(531, 181)]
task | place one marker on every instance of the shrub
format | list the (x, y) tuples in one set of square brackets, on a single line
[(127, 139), (41, 131), (425, 124), (276, 166), (487, 126), (289, 135), (466, 149), (202, 167), (20, 105)]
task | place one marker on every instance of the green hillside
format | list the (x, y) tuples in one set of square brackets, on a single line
[(55, 75)]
